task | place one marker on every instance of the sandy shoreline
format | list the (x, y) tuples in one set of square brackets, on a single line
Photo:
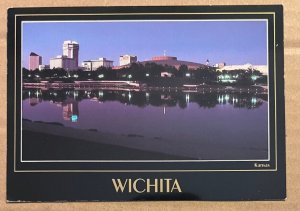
[(104, 146), (161, 148)]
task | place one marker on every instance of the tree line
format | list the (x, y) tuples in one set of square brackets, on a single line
[(148, 72)]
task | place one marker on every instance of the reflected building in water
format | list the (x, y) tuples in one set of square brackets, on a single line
[(70, 110), (34, 97), (34, 101), (69, 99)]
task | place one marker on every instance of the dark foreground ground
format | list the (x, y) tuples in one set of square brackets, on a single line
[(42, 146)]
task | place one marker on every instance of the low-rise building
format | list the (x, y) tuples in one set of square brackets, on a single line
[(92, 65), (127, 59), (220, 65), (172, 61), (43, 67), (63, 62), (262, 68)]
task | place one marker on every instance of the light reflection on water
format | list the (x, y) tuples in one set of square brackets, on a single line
[(231, 119), (69, 100)]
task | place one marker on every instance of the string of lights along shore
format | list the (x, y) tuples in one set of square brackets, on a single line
[(69, 61)]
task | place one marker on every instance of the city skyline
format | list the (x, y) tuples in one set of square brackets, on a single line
[(184, 40)]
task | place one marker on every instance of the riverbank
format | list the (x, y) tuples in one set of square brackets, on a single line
[(137, 86), (65, 143), (53, 141)]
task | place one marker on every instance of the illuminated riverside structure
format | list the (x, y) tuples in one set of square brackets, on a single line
[(261, 68)]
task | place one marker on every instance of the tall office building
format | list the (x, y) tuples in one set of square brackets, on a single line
[(34, 61), (69, 59), (71, 50)]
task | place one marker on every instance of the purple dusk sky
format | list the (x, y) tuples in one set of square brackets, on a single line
[(233, 42)]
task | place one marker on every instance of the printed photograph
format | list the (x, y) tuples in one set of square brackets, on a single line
[(145, 90)]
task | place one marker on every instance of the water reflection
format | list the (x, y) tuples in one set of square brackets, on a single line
[(69, 99), (202, 125), (70, 109)]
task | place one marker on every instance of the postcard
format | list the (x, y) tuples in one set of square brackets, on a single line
[(145, 103)]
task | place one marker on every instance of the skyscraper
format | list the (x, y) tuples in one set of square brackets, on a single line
[(34, 61), (69, 59), (71, 50)]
